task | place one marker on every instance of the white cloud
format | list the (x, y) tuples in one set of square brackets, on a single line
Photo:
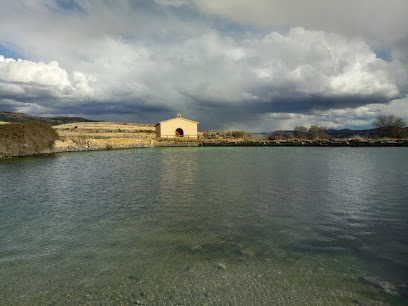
[(315, 62), (362, 111), (38, 79), (284, 116), (23, 71)]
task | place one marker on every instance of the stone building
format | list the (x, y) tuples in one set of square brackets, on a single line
[(177, 127)]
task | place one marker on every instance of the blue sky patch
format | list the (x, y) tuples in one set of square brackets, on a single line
[(383, 54), (8, 53), (69, 6)]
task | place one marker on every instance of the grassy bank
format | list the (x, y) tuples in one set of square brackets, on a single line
[(29, 138)]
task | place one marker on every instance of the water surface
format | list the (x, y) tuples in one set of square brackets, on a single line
[(206, 225)]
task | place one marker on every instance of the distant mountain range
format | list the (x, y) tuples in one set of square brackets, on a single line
[(19, 117), (347, 133), (344, 133)]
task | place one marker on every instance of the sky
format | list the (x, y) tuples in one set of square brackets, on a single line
[(257, 66)]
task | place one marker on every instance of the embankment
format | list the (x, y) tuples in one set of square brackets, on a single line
[(94, 136), (89, 144), (307, 143)]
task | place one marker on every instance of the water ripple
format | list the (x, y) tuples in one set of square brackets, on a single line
[(205, 225)]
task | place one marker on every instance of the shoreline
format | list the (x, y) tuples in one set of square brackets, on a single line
[(100, 136), (309, 143), (121, 144)]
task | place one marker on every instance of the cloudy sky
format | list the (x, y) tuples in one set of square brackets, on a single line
[(257, 65)]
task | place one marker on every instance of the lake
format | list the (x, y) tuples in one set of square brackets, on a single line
[(248, 226)]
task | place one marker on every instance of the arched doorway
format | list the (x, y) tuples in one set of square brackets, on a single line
[(179, 132)]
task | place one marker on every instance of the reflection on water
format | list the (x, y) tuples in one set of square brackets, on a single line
[(205, 225), (177, 177)]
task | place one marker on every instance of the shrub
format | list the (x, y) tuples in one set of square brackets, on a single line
[(238, 134), (210, 134), (29, 138), (221, 134), (277, 135)]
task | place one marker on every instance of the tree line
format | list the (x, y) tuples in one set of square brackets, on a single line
[(389, 126), (300, 132)]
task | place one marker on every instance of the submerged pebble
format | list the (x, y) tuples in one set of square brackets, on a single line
[(371, 281), (222, 266), (391, 292), (384, 286)]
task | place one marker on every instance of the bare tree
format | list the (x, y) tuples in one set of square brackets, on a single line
[(300, 132), (316, 132), (289, 136), (390, 126), (277, 135)]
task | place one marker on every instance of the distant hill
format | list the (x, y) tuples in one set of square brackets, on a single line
[(19, 117), (347, 133)]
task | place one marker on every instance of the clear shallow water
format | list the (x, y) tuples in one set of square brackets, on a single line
[(206, 225)]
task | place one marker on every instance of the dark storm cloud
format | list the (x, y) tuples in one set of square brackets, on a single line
[(248, 112)]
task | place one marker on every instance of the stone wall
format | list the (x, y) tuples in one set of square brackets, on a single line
[(92, 144)]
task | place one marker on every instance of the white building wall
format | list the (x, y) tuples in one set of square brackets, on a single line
[(168, 128)]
